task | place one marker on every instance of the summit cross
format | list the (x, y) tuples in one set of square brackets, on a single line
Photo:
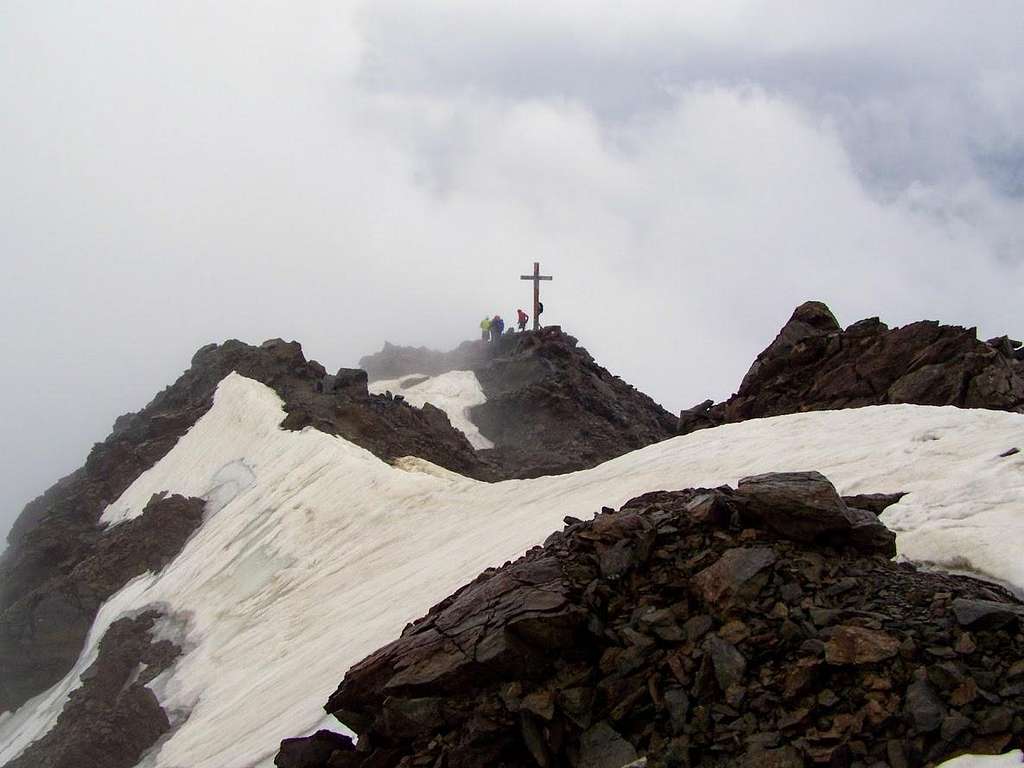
[(536, 277)]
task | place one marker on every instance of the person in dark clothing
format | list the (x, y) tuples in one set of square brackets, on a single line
[(540, 310), (523, 317), (497, 327)]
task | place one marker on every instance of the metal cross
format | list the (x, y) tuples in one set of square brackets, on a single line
[(536, 277)]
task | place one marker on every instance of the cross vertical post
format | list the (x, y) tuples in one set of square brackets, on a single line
[(536, 277)]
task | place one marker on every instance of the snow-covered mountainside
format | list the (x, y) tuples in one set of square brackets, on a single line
[(454, 392), (313, 552)]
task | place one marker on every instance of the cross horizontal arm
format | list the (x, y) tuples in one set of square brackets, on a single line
[(535, 277)]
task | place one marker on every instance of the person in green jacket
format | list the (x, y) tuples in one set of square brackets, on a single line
[(485, 328)]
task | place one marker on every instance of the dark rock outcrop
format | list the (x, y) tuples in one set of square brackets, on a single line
[(112, 718), (689, 630), (42, 632), (550, 407), (42, 581), (813, 364), (311, 751)]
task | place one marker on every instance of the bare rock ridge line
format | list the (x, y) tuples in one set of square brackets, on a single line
[(761, 626), (61, 563), (550, 407), (814, 364)]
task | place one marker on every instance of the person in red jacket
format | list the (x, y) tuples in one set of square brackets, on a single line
[(523, 317)]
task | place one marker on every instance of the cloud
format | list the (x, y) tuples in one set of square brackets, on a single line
[(342, 176)]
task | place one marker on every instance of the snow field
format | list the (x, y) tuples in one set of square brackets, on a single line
[(454, 393), (1009, 760), (315, 553)]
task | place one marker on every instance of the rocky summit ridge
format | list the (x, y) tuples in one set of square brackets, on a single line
[(551, 408), (816, 364)]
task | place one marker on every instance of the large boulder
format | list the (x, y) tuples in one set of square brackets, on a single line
[(805, 506)]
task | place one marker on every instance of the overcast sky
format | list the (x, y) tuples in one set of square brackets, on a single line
[(176, 173)]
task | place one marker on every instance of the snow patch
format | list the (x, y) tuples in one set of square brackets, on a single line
[(325, 552), (1009, 760), (455, 393)]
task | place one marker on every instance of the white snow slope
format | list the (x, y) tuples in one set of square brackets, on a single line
[(315, 553), (454, 393)]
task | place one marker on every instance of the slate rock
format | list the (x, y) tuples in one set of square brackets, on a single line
[(802, 506), (738, 575), (728, 662), (987, 613), (858, 645), (924, 708), (601, 746), (311, 751)]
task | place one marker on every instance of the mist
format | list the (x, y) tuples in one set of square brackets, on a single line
[(342, 175)]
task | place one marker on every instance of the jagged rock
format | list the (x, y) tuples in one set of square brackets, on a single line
[(725, 643), (924, 707), (875, 503), (728, 663), (784, 757), (411, 717), (602, 747), (857, 645), (867, 533), (697, 417), (312, 751), (971, 613), (815, 365), (528, 612), (739, 574)]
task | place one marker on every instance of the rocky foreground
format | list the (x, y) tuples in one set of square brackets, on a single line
[(762, 626), (814, 364)]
